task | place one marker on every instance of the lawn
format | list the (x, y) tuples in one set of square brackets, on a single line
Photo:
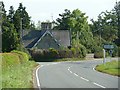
[(112, 68), (17, 70)]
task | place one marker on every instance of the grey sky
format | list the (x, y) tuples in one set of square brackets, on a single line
[(44, 9)]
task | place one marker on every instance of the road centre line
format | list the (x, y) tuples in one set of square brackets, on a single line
[(75, 74), (99, 85), (86, 79), (70, 71)]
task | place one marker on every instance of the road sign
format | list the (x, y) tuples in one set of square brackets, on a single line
[(108, 46)]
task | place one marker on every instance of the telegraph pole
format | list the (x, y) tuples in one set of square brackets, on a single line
[(118, 18), (21, 32), (1, 12)]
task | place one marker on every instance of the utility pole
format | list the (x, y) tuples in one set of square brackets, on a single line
[(21, 31), (117, 8), (1, 12)]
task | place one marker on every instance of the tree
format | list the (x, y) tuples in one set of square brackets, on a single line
[(76, 22), (117, 13), (11, 14), (21, 15), (32, 25), (105, 27), (17, 21), (62, 23), (10, 40)]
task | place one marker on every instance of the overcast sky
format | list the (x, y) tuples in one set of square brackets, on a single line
[(44, 9)]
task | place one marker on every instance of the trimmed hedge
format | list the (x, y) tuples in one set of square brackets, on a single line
[(51, 54), (13, 58)]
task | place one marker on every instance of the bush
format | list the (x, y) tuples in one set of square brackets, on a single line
[(79, 51), (118, 51), (115, 51), (51, 54), (98, 54)]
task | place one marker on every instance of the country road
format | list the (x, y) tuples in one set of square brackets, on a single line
[(79, 74)]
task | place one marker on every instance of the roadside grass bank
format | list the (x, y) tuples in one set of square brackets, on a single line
[(68, 59), (112, 68), (17, 70)]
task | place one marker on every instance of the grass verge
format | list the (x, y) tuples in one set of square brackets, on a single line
[(17, 70), (68, 59), (112, 68)]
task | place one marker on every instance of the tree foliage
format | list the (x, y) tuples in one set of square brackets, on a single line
[(9, 34), (11, 26), (107, 27), (21, 16), (76, 22)]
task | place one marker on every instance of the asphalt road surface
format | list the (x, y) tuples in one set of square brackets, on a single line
[(80, 74)]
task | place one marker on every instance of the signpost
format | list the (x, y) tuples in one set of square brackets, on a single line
[(107, 47)]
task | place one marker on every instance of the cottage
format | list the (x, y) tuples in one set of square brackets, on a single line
[(46, 38)]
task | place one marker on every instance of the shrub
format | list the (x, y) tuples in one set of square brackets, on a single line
[(49, 55), (73, 51), (79, 51), (53, 53), (115, 51), (98, 54), (118, 51)]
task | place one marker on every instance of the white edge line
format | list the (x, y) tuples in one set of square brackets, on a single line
[(38, 82), (94, 69), (99, 85)]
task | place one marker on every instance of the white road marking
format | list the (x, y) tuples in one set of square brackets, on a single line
[(41, 65), (54, 63), (75, 74), (70, 71), (84, 78), (38, 82), (99, 85), (94, 69)]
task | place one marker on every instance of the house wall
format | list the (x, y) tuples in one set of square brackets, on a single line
[(47, 42)]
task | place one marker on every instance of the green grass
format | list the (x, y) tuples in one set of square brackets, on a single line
[(112, 68), (17, 70), (68, 59)]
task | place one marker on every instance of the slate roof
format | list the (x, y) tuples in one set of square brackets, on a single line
[(30, 38), (63, 37)]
